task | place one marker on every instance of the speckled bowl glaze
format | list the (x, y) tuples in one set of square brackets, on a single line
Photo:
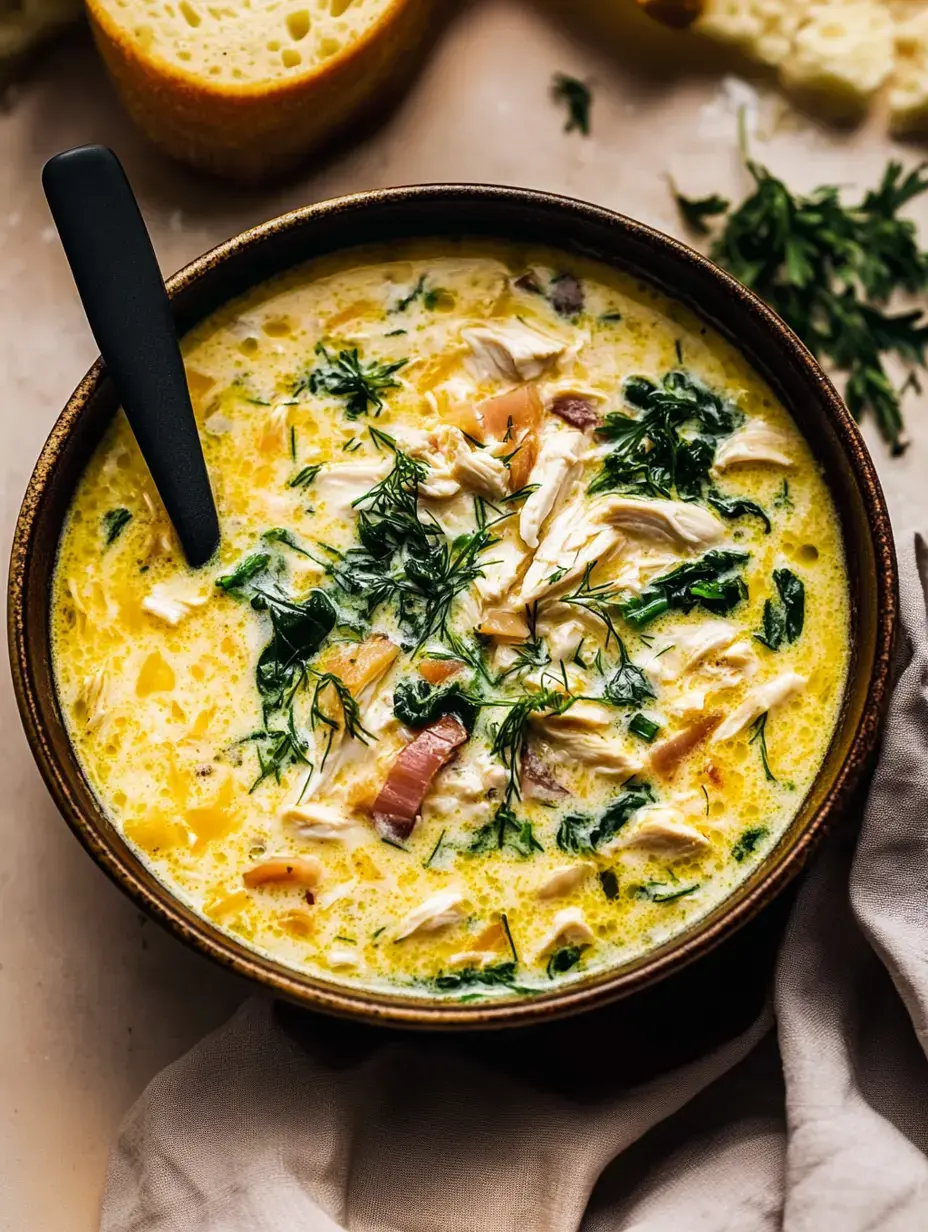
[(526, 217)]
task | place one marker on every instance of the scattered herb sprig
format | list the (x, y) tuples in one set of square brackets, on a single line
[(829, 269), (577, 98), (344, 375)]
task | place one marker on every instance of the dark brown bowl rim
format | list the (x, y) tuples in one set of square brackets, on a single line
[(771, 875)]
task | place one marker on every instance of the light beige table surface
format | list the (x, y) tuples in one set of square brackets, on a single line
[(94, 1000)]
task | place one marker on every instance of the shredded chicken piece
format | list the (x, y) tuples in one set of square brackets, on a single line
[(92, 696), (667, 755), (170, 605), (558, 459), (438, 911), (575, 537), (564, 880), (683, 525), (570, 928), (284, 870), (665, 831), (757, 442), (606, 752), (324, 822), (511, 352), (759, 701), (339, 485), (506, 562)]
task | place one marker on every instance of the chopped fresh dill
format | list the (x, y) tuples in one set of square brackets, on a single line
[(759, 737), (441, 838), (345, 376)]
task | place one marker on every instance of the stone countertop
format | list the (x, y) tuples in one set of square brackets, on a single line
[(93, 999)]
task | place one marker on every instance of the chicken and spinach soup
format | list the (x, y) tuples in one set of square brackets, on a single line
[(526, 637)]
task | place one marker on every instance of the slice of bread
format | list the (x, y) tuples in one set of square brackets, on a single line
[(245, 88)]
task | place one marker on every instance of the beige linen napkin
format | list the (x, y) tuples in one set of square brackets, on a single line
[(284, 1122)]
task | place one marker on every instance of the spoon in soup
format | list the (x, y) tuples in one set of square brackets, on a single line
[(114, 266)]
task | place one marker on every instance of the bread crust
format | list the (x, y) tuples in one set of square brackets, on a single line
[(251, 131)]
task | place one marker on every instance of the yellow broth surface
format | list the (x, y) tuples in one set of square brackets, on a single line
[(525, 473)]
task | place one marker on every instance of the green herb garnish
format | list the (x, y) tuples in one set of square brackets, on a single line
[(474, 977), (709, 582), (732, 507), (564, 960), (345, 376), (629, 686), (653, 455), (244, 572), (828, 269), (578, 99), (660, 892), (643, 727), (303, 478), (696, 210), (504, 829), (578, 834), (115, 522), (278, 534), (747, 843), (759, 737), (784, 619)]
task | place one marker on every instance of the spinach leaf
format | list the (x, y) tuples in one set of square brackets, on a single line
[(708, 582), (503, 973), (298, 631), (610, 884), (418, 703), (732, 507), (783, 620), (643, 727), (578, 834)]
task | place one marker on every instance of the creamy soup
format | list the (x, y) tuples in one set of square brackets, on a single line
[(526, 638)]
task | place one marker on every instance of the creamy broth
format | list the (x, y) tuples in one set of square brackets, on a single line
[(526, 638)]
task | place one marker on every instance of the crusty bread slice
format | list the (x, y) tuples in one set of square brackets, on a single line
[(246, 88)]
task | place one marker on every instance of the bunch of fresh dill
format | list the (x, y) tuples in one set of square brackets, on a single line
[(829, 269)]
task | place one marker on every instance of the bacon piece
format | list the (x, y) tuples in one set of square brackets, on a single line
[(437, 671), (397, 807), (666, 756), (578, 412), (537, 781)]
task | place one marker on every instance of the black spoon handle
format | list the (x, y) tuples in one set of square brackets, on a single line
[(117, 276)]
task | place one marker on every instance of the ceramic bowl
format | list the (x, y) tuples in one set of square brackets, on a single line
[(526, 217)]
